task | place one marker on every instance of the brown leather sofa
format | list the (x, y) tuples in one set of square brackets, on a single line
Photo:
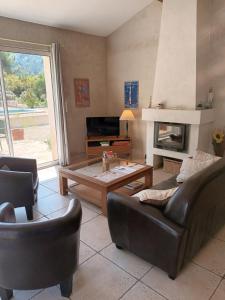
[(19, 184), (171, 236), (38, 255)]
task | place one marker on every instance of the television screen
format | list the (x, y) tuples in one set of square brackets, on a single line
[(103, 126)]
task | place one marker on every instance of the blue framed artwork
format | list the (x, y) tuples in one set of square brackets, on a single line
[(131, 94)]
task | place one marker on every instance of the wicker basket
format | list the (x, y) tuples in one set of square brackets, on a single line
[(171, 166)]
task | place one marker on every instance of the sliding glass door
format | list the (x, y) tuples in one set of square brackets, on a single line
[(6, 146), (27, 111)]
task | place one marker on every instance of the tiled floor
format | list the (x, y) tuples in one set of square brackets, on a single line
[(108, 273)]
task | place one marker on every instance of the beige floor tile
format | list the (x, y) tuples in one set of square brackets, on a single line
[(44, 192), (51, 204), (212, 257), (21, 216), (193, 283), (142, 292), (85, 252), (24, 295), (52, 184), (58, 213), (52, 293), (91, 206), (48, 173), (87, 214), (100, 279), (95, 233), (220, 292), (126, 260)]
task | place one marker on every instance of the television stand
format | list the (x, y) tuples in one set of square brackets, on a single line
[(96, 145)]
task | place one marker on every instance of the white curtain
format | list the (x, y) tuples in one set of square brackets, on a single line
[(59, 105), (24, 47)]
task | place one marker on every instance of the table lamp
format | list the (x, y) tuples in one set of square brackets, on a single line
[(127, 115)]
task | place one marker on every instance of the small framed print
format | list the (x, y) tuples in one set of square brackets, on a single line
[(82, 92), (131, 91)]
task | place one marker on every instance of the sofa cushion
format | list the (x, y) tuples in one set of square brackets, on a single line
[(190, 166), (203, 156)]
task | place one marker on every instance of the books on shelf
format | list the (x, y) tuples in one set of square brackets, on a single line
[(134, 185), (104, 144), (121, 143)]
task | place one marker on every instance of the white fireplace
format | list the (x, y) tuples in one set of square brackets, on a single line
[(182, 79), (200, 128)]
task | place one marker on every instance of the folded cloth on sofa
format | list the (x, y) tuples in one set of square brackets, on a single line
[(5, 168), (155, 197)]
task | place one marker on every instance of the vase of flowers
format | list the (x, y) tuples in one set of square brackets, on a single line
[(218, 142)]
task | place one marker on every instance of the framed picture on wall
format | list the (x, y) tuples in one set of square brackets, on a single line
[(82, 92), (131, 91)]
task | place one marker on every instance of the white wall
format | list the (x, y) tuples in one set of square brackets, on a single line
[(175, 79), (204, 20), (131, 55), (217, 69)]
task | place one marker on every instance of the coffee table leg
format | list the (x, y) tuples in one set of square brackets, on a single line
[(148, 179), (63, 185), (104, 202)]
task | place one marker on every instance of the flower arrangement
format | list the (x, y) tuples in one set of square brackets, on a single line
[(218, 136), (218, 141)]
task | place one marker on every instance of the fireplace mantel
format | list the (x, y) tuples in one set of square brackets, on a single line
[(200, 123), (195, 117)]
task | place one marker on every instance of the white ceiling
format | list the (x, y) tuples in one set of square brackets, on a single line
[(99, 17)]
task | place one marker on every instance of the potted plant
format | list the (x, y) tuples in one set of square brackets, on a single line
[(218, 142)]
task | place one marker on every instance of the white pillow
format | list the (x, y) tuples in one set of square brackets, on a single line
[(190, 166), (203, 156), (155, 197)]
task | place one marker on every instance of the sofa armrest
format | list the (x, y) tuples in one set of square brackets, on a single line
[(118, 201), (16, 188)]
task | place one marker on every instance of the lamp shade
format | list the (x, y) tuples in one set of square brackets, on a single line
[(127, 115)]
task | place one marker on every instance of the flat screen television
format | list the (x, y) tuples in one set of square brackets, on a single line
[(103, 126), (170, 136)]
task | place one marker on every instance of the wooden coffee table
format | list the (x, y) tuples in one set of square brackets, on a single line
[(93, 185)]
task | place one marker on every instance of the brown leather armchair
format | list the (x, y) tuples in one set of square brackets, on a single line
[(19, 184), (38, 255)]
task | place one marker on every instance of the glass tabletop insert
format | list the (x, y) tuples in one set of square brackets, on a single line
[(106, 171)]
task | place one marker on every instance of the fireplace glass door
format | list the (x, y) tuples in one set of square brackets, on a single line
[(170, 136)]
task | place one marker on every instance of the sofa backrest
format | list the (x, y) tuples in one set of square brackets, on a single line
[(199, 195)]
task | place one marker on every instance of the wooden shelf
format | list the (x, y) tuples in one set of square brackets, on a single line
[(107, 138), (94, 148)]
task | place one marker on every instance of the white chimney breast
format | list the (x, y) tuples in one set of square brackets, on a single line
[(182, 78), (175, 78)]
